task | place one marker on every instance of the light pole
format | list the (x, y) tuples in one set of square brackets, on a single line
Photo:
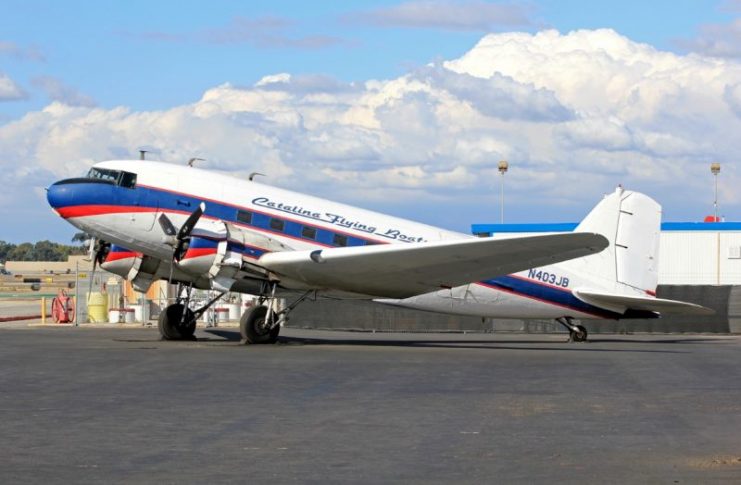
[(715, 170), (503, 166)]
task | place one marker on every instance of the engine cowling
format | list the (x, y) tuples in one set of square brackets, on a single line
[(133, 266), (223, 251)]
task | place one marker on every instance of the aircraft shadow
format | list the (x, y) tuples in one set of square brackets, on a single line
[(501, 344)]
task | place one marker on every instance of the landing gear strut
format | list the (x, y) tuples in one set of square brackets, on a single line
[(577, 333), (178, 321), (261, 325)]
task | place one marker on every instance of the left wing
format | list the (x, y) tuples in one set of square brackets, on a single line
[(404, 270)]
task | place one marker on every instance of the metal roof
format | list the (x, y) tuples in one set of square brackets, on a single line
[(570, 226)]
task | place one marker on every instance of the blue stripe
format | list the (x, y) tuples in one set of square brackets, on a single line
[(200, 242), (105, 194), (119, 249), (548, 294)]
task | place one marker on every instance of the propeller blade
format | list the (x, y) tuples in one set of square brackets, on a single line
[(191, 222), (91, 248), (101, 253), (177, 255), (166, 224)]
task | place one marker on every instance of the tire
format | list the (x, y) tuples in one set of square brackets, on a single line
[(251, 327), (170, 326), (580, 335)]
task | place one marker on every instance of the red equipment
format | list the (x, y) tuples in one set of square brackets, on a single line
[(63, 308)]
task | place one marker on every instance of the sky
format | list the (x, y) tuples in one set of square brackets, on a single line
[(403, 107)]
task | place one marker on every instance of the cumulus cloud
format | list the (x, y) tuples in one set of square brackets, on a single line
[(18, 52), (719, 40), (575, 114), (56, 90), (264, 32), (478, 16), (731, 6), (10, 90)]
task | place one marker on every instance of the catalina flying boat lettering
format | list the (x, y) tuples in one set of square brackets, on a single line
[(204, 230)]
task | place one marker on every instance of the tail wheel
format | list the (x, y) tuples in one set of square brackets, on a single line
[(173, 326), (255, 328)]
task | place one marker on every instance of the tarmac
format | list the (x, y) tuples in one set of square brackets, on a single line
[(115, 404)]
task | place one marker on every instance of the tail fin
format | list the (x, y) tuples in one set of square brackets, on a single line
[(631, 221)]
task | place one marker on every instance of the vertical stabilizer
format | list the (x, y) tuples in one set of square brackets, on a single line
[(631, 221)]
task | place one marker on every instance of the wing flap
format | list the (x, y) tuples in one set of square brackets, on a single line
[(621, 303), (404, 270)]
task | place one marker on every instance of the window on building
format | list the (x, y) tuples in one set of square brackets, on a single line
[(276, 224), (244, 216), (308, 232), (340, 240)]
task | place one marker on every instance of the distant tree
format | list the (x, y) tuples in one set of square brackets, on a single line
[(81, 237), (40, 251), (5, 248), (21, 252)]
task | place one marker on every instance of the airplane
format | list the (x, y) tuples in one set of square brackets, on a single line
[(202, 229)]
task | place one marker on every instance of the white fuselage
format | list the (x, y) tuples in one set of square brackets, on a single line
[(128, 217)]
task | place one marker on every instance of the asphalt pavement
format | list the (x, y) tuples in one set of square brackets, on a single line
[(115, 405)]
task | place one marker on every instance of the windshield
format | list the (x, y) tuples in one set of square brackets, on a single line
[(117, 177)]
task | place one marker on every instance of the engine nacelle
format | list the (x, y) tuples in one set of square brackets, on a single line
[(222, 251), (133, 266)]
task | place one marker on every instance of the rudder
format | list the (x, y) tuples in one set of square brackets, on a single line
[(631, 221)]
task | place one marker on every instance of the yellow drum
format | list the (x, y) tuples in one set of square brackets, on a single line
[(97, 307)]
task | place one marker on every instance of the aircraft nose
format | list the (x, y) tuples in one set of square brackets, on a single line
[(64, 193)]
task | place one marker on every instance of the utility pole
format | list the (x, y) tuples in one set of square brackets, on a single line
[(715, 170), (503, 166)]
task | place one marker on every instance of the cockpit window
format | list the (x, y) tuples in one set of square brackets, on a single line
[(127, 180), (116, 177)]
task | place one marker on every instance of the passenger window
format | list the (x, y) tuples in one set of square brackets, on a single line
[(244, 216), (276, 224), (308, 232), (340, 240)]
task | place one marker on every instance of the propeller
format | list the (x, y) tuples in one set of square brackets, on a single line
[(97, 253), (178, 238)]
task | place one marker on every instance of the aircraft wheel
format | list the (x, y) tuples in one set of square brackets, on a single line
[(171, 327), (254, 329), (579, 335)]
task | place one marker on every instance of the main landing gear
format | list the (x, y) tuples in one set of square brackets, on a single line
[(577, 333), (261, 325), (178, 321)]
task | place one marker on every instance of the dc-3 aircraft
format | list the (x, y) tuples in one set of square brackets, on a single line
[(205, 230)]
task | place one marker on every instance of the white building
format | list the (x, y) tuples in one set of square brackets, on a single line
[(690, 253)]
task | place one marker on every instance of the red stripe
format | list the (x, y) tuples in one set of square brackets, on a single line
[(651, 292), (95, 210), (120, 255), (198, 252)]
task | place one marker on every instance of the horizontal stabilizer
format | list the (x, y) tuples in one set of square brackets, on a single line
[(404, 270), (622, 303)]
